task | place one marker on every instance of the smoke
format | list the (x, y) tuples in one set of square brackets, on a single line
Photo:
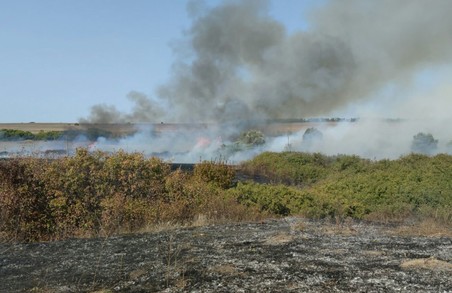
[(358, 58), (241, 64), (144, 110)]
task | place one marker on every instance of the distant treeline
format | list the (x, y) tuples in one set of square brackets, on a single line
[(89, 133), (315, 119)]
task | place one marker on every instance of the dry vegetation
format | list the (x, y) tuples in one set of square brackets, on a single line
[(100, 194), (93, 194)]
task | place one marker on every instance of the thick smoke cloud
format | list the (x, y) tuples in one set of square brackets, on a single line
[(242, 64)]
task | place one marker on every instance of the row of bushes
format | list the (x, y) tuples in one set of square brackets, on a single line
[(89, 133), (98, 193), (348, 186), (14, 134)]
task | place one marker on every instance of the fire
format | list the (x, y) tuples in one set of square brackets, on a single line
[(202, 142)]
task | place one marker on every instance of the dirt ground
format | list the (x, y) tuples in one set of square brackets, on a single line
[(284, 255)]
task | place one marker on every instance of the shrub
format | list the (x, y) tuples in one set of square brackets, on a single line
[(288, 167), (251, 138), (14, 134), (73, 185), (424, 143), (92, 193), (24, 207), (218, 173), (278, 200), (132, 175), (311, 136)]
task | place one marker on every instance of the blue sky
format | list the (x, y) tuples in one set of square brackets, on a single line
[(59, 57)]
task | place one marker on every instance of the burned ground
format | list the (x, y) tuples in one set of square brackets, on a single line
[(290, 254)]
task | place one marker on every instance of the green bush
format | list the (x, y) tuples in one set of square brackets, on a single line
[(14, 134), (289, 167), (279, 199), (48, 135), (348, 186)]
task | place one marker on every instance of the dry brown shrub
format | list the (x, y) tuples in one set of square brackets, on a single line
[(175, 185), (122, 214), (189, 196), (24, 209), (216, 172), (223, 209)]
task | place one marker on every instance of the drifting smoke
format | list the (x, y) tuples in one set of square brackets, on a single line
[(243, 64), (144, 111), (240, 64)]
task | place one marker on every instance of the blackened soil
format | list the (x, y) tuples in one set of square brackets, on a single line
[(286, 255)]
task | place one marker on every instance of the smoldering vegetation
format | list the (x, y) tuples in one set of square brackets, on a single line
[(190, 143)]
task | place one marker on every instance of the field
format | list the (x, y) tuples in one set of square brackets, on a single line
[(271, 128), (37, 127)]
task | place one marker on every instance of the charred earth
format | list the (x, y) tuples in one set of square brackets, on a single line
[(282, 255)]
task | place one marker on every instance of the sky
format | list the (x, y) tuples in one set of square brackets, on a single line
[(58, 58)]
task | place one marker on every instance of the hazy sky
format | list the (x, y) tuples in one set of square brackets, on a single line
[(58, 58)]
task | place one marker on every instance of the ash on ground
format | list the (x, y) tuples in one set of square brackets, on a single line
[(283, 255)]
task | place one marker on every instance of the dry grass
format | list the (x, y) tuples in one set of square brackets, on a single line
[(200, 221), (338, 229), (37, 127), (227, 270), (427, 263), (136, 274), (426, 227), (279, 239)]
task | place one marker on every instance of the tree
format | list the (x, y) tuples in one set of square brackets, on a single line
[(424, 143), (311, 136), (252, 138)]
